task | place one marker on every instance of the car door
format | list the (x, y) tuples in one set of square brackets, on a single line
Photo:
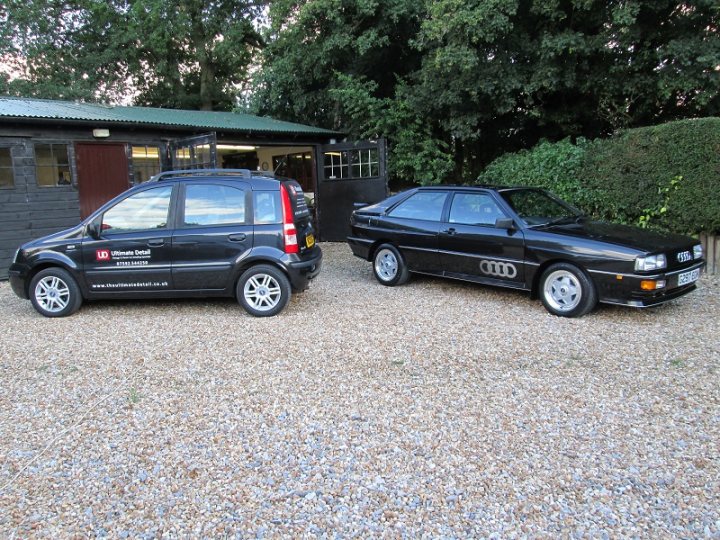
[(472, 247), (212, 233), (414, 225), (131, 248)]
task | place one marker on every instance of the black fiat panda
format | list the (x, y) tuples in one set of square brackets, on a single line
[(181, 234)]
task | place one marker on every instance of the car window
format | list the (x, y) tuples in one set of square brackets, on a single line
[(267, 207), (142, 211), (536, 207), (474, 209), (212, 204), (427, 205)]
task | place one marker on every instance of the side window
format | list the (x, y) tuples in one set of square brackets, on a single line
[(52, 165), (142, 211), (474, 209), (210, 204), (7, 176), (267, 207), (427, 205)]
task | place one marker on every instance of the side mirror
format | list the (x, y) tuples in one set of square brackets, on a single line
[(504, 223), (93, 229)]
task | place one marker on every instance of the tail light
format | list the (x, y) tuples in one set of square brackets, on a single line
[(289, 231)]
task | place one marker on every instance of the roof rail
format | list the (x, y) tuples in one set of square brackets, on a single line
[(244, 173)]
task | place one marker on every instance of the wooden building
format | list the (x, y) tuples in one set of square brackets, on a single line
[(59, 161)]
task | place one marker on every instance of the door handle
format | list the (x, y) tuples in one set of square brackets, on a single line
[(239, 237), (156, 243), (450, 231)]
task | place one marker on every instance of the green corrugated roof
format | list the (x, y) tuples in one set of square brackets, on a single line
[(30, 108)]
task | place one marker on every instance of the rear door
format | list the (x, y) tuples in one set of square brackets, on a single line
[(301, 215), (133, 251), (348, 173), (414, 226), (471, 247), (212, 232)]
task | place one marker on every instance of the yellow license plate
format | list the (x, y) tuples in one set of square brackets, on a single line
[(310, 240)]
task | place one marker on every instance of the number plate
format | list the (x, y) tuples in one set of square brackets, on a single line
[(310, 241), (688, 277)]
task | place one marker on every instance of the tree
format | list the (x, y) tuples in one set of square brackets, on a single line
[(180, 54), (477, 78)]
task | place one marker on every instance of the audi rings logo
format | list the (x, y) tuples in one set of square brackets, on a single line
[(498, 269)]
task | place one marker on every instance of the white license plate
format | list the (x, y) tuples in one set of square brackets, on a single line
[(688, 277)]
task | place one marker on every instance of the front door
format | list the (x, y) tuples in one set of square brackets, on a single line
[(214, 229), (102, 173), (199, 152), (348, 173), (471, 247), (132, 252)]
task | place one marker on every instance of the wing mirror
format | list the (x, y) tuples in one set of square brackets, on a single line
[(93, 229), (504, 223)]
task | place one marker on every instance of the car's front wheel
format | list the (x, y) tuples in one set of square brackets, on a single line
[(567, 291), (263, 290), (55, 293), (389, 266)]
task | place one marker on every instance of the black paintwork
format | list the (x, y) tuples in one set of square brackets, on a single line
[(177, 261), (522, 250)]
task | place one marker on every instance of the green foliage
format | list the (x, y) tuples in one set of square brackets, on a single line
[(553, 166), (662, 177), (636, 174), (464, 81), (661, 208), (180, 53)]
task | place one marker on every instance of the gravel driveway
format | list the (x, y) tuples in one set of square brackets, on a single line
[(435, 409)]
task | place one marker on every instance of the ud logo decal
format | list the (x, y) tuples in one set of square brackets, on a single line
[(102, 255), (498, 269)]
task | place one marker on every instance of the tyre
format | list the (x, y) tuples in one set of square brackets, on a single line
[(567, 291), (55, 293), (263, 290), (389, 266)]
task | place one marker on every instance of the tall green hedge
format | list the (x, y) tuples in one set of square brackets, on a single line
[(665, 176)]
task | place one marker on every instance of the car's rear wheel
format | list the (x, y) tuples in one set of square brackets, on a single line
[(567, 291), (55, 293), (263, 290), (389, 266)]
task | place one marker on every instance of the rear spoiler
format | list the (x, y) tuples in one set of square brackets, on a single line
[(357, 205)]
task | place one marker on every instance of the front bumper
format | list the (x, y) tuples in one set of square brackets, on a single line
[(17, 275), (624, 289), (301, 272)]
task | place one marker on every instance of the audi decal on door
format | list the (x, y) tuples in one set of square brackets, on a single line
[(499, 269)]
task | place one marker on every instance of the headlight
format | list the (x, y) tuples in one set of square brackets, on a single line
[(652, 262), (15, 257), (697, 251)]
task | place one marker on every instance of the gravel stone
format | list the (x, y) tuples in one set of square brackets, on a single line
[(436, 409)]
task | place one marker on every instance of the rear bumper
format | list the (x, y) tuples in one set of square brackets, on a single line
[(360, 247), (301, 272)]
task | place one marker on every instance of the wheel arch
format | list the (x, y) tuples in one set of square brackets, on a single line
[(535, 286), (52, 263)]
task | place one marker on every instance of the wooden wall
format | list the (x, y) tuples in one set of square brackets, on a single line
[(28, 211), (711, 247)]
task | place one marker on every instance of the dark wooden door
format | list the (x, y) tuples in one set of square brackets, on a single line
[(102, 173), (348, 173)]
